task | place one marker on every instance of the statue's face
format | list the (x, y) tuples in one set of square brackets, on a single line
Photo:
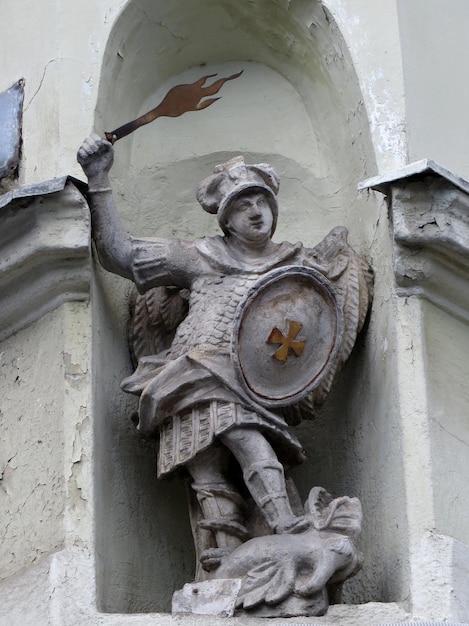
[(250, 217)]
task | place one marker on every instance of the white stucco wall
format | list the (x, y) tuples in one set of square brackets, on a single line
[(447, 347), (434, 51), (58, 50)]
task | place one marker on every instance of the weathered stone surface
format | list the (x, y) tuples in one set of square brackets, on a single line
[(191, 395), (361, 98), (287, 574), (46, 484)]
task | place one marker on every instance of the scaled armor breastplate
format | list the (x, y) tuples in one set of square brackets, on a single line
[(212, 307)]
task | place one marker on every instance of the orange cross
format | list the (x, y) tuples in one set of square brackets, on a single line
[(287, 341)]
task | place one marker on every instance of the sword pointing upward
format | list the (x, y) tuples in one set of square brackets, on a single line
[(179, 100)]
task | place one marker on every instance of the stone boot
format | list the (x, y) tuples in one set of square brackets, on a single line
[(266, 483)]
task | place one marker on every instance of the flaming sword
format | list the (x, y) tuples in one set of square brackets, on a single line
[(179, 100)]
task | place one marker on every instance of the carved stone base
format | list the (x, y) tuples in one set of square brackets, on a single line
[(287, 574)]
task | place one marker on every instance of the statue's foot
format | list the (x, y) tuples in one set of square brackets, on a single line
[(293, 525), (211, 558)]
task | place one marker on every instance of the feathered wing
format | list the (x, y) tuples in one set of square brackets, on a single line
[(154, 318), (352, 280)]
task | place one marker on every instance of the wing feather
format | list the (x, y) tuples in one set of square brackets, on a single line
[(154, 318), (352, 279)]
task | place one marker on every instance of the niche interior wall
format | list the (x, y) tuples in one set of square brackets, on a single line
[(298, 106)]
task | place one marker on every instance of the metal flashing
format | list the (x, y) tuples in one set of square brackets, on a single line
[(11, 118), (42, 189), (418, 169)]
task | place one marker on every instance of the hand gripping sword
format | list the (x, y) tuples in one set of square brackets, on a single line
[(179, 100)]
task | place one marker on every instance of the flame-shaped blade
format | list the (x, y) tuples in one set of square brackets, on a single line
[(179, 100)]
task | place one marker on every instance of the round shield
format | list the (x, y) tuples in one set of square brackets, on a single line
[(287, 335)]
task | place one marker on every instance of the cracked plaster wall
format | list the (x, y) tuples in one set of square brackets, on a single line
[(447, 347), (61, 65), (339, 75), (45, 442), (62, 72)]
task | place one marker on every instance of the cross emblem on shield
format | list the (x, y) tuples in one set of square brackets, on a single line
[(288, 342)]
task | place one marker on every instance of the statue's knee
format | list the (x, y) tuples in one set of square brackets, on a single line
[(242, 441)]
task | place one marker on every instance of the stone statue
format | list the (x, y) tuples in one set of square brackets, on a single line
[(235, 338)]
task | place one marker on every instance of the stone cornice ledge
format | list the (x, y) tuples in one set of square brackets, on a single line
[(44, 251), (429, 208)]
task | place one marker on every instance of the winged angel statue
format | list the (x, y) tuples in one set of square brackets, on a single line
[(235, 339)]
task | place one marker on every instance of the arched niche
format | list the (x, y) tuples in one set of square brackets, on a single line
[(297, 106)]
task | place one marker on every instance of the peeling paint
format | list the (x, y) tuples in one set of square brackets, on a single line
[(33, 483), (73, 372), (376, 56)]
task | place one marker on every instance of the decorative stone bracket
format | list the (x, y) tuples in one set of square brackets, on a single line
[(429, 210), (44, 251)]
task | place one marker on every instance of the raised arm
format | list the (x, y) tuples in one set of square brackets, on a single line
[(96, 156)]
